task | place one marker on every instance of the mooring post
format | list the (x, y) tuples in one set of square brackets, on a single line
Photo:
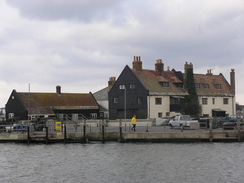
[(28, 134), (103, 136), (210, 130), (65, 133), (84, 131), (120, 131), (46, 135)]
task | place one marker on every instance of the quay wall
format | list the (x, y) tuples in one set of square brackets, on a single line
[(191, 136)]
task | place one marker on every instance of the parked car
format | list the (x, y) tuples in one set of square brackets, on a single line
[(233, 118), (19, 127), (181, 121), (9, 129)]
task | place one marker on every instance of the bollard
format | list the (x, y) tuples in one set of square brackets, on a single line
[(65, 133), (84, 131), (125, 127), (210, 131), (181, 127), (46, 135), (90, 128), (147, 128)]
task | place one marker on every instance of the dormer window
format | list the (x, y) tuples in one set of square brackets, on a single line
[(197, 85), (165, 84), (178, 85), (206, 86), (218, 86)]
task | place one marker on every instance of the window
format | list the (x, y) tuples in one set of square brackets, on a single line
[(179, 85), (116, 100), (11, 115), (158, 101), (204, 101), (132, 86), (93, 115), (218, 86), (226, 101), (206, 115), (160, 115), (206, 86), (139, 100), (213, 101), (121, 87), (165, 84), (167, 114), (197, 85)]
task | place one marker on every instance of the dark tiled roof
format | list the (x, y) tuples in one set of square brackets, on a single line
[(44, 103)]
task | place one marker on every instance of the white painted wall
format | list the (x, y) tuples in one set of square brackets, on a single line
[(230, 108), (154, 109)]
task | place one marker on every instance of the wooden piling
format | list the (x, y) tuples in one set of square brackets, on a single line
[(65, 133), (103, 135), (28, 135), (46, 135), (84, 131), (120, 132), (210, 130), (238, 131)]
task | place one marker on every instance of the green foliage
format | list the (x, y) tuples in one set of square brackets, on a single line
[(192, 106)]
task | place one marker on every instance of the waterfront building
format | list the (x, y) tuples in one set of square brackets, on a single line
[(64, 106), (160, 93)]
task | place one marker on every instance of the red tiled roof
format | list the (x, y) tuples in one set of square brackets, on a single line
[(212, 81), (151, 80)]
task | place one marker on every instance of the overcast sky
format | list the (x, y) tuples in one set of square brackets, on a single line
[(79, 44)]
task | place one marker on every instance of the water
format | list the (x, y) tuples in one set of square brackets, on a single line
[(129, 162)]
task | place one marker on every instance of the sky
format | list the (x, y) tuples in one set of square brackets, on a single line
[(79, 45)]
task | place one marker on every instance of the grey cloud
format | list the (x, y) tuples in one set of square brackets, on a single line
[(83, 10)]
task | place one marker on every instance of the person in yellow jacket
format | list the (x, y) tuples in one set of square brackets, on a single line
[(133, 122)]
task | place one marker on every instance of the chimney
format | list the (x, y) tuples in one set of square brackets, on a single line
[(159, 66), (232, 81), (58, 90), (111, 82), (137, 64), (188, 66), (209, 72)]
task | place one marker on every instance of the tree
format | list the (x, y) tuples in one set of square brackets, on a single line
[(192, 106)]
